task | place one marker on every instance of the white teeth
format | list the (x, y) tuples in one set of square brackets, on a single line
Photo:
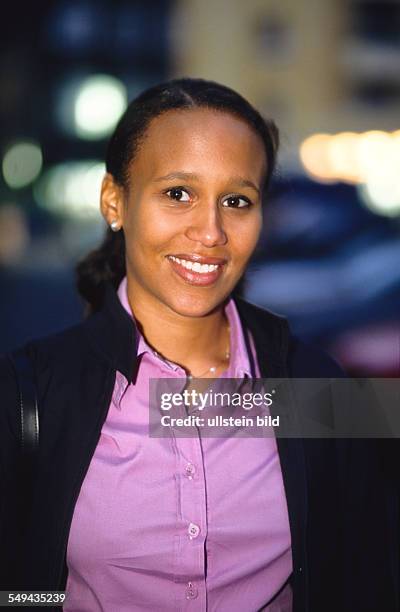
[(195, 266)]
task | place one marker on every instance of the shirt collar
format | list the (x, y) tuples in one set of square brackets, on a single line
[(115, 339), (239, 365)]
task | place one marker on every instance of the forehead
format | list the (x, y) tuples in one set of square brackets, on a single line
[(201, 141)]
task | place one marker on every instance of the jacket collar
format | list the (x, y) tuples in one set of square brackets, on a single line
[(271, 338), (113, 334)]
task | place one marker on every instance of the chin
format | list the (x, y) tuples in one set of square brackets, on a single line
[(193, 306)]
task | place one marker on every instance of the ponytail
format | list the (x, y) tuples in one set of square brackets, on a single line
[(106, 264)]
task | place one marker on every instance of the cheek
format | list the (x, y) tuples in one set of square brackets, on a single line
[(149, 231), (245, 237)]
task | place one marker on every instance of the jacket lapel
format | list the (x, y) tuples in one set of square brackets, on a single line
[(272, 338)]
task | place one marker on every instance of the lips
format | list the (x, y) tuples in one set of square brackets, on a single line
[(197, 269)]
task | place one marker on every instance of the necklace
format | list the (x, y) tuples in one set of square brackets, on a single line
[(213, 368)]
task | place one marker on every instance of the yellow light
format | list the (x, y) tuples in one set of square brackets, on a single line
[(396, 142), (22, 164), (314, 154), (375, 148), (343, 157), (370, 157), (379, 154)]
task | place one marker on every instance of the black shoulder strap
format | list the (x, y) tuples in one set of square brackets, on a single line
[(28, 405)]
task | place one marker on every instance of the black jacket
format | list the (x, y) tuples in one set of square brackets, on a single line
[(341, 494)]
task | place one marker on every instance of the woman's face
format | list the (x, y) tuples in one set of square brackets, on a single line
[(192, 211)]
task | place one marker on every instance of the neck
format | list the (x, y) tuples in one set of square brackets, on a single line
[(195, 343)]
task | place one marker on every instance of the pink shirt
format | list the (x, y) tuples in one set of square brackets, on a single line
[(189, 524)]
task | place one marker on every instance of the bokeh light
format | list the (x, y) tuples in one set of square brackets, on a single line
[(343, 157), (381, 194), (72, 189), (314, 156), (370, 160), (99, 102), (22, 164)]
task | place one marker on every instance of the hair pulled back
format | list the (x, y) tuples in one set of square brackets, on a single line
[(106, 264)]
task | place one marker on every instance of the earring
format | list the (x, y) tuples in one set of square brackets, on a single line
[(115, 226)]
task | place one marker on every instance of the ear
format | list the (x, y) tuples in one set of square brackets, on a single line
[(112, 201)]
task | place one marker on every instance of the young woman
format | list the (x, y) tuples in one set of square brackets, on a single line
[(126, 522)]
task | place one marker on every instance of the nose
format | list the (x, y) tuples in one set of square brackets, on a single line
[(206, 226)]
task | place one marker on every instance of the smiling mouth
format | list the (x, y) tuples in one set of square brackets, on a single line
[(196, 272)]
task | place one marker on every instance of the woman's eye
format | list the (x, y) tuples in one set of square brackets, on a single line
[(179, 194), (236, 202)]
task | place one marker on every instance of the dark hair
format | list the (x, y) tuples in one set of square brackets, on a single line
[(107, 262)]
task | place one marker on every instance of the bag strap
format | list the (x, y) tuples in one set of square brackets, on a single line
[(28, 404)]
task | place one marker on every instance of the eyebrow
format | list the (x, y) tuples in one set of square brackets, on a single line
[(184, 176)]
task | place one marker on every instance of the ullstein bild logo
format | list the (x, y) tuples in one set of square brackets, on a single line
[(288, 408), (220, 421)]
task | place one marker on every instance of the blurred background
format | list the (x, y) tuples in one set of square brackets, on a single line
[(327, 71)]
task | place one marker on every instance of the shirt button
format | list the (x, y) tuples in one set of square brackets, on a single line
[(190, 470), (191, 591), (193, 531)]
